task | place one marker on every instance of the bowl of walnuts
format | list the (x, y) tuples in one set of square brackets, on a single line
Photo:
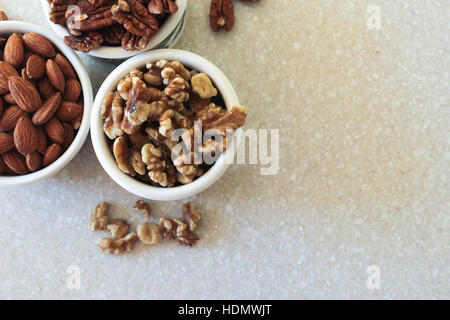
[(45, 103), (117, 29), (166, 124)]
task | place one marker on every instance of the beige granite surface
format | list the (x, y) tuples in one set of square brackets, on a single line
[(364, 117)]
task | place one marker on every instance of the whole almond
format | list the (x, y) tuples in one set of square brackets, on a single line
[(66, 66), (26, 56), (46, 89), (55, 130), (35, 67), (6, 142), (68, 111), (76, 123), (14, 50), (25, 94), (73, 90), (33, 161), (9, 99), (55, 75), (47, 110), (15, 161), (10, 117), (42, 140), (38, 44), (25, 136), (6, 71), (69, 136), (2, 166), (52, 154)]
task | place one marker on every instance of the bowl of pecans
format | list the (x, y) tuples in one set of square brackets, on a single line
[(165, 124), (117, 29), (45, 102)]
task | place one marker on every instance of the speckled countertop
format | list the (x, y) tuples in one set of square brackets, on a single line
[(363, 113)]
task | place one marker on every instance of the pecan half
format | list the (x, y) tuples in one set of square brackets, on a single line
[(133, 42), (135, 18), (86, 42), (162, 6), (58, 9), (113, 34), (87, 17), (221, 15)]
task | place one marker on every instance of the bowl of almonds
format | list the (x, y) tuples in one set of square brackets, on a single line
[(117, 29), (45, 102), (166, 124)]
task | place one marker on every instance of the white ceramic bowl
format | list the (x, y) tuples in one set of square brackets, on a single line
[(8, 27), (100, 141), (166, 37)]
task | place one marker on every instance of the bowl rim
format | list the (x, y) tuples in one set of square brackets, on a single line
[(8, 27), (105, 156), (109, 52)]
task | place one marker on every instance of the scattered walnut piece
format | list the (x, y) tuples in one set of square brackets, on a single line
[(149, 233), (202, 85), (109, 245), (191, 216), (118, 228), (99, 219), (144, 208), (174, 229)]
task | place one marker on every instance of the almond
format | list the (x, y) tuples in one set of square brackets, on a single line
[(14, 51), (15, 161), (66, 66), (25, 136), (9, 98), (73, 90), (6, 142), (68, 111), (46, 89), (2, 166), (55, 130), (47, 110), (42, 140), (33, 161), (6, 71), (69, 136), (38, 44), (52, 154), (26, 56), (35, 67), (10, 117), (55, 75), (25, 94), (76, 123), (1, 106)]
